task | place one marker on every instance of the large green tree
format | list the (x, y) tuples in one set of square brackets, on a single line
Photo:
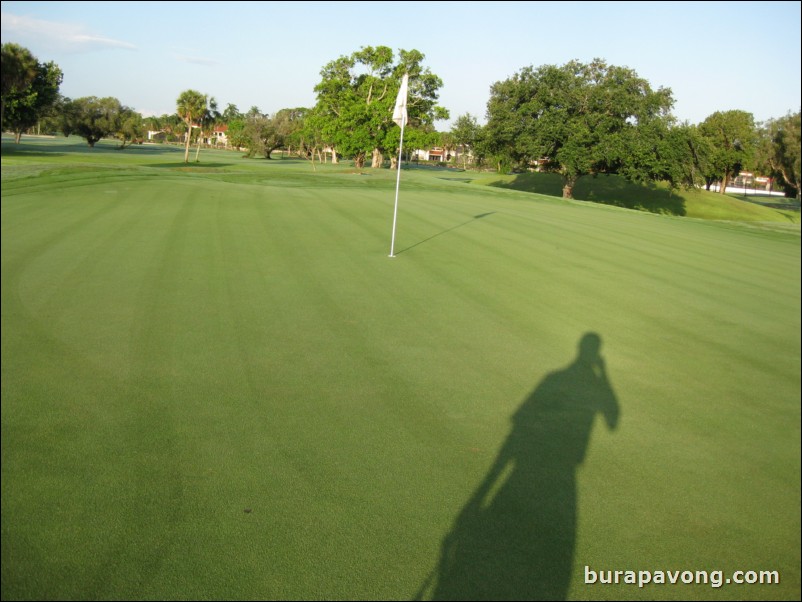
[(576, 119), (30, 89), (778, 152), (262, 134), (356, 96), (94, 118), (18, 68), (191, 106), (257, 132), (732, 138)]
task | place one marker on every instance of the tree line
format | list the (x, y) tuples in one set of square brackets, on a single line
[(577, 120)]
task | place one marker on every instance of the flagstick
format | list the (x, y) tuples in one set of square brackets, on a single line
[(397, 185)]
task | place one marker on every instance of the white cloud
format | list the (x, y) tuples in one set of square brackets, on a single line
[(53, 34)]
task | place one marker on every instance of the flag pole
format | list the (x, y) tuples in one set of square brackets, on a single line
[(397, 186), (400, 117)]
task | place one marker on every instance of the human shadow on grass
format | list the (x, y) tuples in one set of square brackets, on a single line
[(515, 538), (446, 231)]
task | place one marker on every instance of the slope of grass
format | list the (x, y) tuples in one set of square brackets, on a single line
[(216, 385), (654, 197)]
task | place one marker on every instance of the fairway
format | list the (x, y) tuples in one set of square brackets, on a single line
[(217, 385)]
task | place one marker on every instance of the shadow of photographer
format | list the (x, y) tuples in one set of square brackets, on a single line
[(515, 538)]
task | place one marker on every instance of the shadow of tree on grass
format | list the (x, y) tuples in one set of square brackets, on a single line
[(606, 189)]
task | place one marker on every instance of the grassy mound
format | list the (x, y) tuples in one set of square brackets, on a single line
[(654, 197)]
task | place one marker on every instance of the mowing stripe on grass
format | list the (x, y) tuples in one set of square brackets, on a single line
[(185, 346)]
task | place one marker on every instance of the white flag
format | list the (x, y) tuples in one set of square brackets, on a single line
[(400, 112)]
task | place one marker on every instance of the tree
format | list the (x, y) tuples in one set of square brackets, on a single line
[(414, 138), (18, 68), (260, 136), (172, 126), (131, 127), (356, 96), (190, 106), (448, 143), (63, 116), (732, 139), (576, 119), (482, 149), (311, 137), (231, 113), (31, 92), (293, 125), (206, 123), (94, 118), (236, 133), (152, 123), (51, 121), (465, 133), (660, 150), (778, 152), (289, 124), (699, 153)]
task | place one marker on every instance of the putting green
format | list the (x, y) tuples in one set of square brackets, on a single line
[(216, 384)]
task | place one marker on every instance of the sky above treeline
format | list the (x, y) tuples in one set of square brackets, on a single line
[(714, 56)]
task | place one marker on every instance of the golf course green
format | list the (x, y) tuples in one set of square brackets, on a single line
[(217, 385)]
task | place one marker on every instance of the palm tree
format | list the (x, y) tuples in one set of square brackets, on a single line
[(190, 106), (206, 123)]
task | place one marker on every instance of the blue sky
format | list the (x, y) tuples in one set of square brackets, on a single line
[(715, 56)]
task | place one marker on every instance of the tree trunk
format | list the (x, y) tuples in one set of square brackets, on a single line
[(724, 182), (393, 162), (568, 186), (197, 151), (791, 183), (17, 137), (378, 158), (334, 159), (186, 149), (359, 161)]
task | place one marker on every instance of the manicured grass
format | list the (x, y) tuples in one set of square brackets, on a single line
[(216, 385), (655, 197)]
